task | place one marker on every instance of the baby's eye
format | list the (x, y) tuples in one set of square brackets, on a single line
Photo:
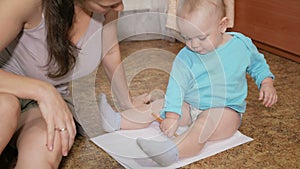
[(188, 39), (202, 37)]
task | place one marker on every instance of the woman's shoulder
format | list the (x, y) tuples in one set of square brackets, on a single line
[(24, 7), (16, 15), (25, 11)]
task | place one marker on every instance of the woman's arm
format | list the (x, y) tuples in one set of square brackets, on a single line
[(112, 62), (16, 15), (113, 67), (13, 16)]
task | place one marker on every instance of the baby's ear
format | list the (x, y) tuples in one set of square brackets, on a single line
[(223, 24)]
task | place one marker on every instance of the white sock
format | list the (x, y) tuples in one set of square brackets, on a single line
[(111, 120), (163, 153)]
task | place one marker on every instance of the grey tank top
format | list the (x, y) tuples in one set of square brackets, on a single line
[(27, 55)]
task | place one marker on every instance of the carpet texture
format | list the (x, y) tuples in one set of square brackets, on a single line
[(275, 130)]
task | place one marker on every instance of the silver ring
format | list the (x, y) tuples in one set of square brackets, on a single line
[(60, 129)]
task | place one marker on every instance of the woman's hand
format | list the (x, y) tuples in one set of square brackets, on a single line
[(267, 93), (170, 124), (54, 110), (59, 119)]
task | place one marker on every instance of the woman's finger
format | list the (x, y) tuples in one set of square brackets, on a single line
[(64, 136), (50, 135), (72, 133)]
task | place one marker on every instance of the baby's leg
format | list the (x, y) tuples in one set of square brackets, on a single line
[(211, 125), (165, 153), (140, 117), (185, 119), (228, 126)]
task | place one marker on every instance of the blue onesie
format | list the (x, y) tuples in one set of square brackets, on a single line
[(216, 79)]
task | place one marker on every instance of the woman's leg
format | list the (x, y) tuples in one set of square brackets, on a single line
[(9, 115), (135, 118), (31, 142)]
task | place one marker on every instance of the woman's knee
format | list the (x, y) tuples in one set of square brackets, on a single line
[(32, 144), (9, 105), (9, 115), (9, 111)]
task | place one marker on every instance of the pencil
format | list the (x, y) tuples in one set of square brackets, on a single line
[(159, 119)]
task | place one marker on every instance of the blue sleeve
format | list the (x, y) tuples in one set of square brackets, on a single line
[(177, 85), (258, 68)]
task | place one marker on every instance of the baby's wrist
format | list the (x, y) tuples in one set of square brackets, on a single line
[(267, 80), (172, 115)]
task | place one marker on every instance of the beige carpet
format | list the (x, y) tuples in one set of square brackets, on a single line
[(275, 130)]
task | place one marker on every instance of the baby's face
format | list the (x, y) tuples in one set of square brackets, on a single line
[(201, 34)]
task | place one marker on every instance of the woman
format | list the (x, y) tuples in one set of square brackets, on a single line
[(40, 46)]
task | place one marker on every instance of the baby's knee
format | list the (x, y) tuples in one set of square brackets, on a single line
[(205, 127)]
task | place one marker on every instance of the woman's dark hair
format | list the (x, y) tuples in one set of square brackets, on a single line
[(62, 52)]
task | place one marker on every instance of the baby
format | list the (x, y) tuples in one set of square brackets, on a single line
[(207, 87)]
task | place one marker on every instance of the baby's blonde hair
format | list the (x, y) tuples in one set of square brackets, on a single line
[(210, 7)]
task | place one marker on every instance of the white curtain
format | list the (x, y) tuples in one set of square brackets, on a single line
[(155, 19), (143, 19)]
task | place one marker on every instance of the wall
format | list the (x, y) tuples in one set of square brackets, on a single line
[(272, 24)]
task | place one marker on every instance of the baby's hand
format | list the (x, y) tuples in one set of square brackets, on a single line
[(170, 124), (267, 93)]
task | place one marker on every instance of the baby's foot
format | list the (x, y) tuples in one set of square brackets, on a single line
[(111, 120), (163, 153)]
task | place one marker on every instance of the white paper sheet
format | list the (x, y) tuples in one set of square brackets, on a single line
[(121, 145)]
